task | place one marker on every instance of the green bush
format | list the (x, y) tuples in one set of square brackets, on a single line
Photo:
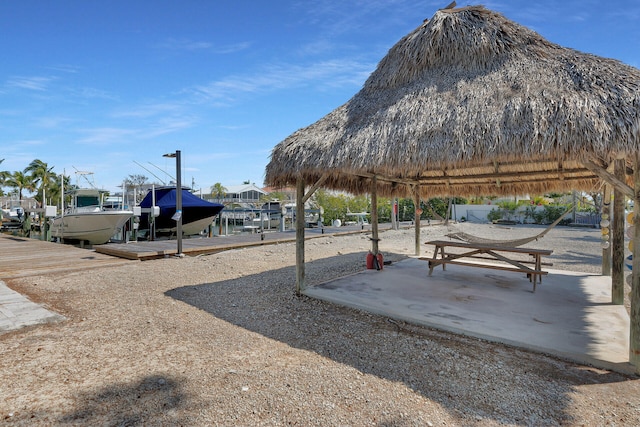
[(553, 212), (494, 214), (538, 216), (529, 214)]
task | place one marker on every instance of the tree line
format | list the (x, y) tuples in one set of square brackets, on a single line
[(37, 178), (551, 206), (339, 205)]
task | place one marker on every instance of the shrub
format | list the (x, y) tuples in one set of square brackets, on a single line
[(494, 214), (538, 216), (551, 213)]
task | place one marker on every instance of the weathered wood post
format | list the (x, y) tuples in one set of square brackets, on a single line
[(617, 238), (634, 339), (374, 215), (394, 223), (418, 212), (606, 252), (299, 235)]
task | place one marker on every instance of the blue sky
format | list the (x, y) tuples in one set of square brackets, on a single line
[(107, 86)]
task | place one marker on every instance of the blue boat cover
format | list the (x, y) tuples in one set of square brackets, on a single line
[(193, 207), (166, 197)]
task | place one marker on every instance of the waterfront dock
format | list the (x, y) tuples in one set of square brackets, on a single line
[(22, 256), (146, 250)]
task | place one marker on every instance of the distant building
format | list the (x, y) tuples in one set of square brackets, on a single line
[(288, 193), (243, 194), (7, 202)]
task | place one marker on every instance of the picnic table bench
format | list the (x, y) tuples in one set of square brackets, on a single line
[(491, 252)]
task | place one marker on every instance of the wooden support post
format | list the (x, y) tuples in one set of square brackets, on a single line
[(606, 252), (609, 178), (299, 235), (617, 238), (374, 215), (393, 215), (418, 212), (634, 338)]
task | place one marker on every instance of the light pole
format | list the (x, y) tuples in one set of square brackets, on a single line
[(178, 215)]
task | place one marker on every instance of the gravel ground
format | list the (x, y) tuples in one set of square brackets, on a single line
[(223, 340)]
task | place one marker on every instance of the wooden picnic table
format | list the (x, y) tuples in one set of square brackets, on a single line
[(491, 252)]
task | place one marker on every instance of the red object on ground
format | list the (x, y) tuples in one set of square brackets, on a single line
[(371, 264)]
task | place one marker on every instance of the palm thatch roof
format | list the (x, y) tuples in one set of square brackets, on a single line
[(471, 103)]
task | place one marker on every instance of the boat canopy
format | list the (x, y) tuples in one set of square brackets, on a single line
[(194, 209), (166, 197)]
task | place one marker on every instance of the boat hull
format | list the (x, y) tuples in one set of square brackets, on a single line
[(197, 214), (191, 228), (96, 228)]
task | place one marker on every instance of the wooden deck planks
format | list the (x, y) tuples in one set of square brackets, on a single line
[(196, 246), (22, 257), (191, 247)]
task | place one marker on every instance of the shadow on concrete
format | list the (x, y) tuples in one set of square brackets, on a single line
[(571, 315), (425, 357)]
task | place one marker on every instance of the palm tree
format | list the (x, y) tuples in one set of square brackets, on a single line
[(3, 174), (218, 191), (55, 190), (42, 175), (3, 177), (21, 181)]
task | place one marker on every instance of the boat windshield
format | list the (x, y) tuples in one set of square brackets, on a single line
[(86, 201)]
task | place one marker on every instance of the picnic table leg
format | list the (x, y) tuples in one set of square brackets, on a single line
[(538, 268), (432, 263), (433, 258), (444, 266)]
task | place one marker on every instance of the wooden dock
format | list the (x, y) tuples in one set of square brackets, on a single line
[(21, 257), (202, 245)]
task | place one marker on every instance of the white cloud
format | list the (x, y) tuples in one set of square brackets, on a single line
[(184, 44), (167, 125), (328, 73), (362, 16), (52, 122), (120, 135), (231, 48), (148, 110), (30, 83), (107, 135), (192, 45), (72, 69), (92, 93)]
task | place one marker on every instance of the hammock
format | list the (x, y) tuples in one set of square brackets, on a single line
[(469, 238)]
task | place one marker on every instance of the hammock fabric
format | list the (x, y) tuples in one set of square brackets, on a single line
[(469, 238)]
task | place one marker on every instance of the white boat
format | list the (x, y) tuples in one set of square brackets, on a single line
[(271, 214), (86, 220), (263, 221), (361, 218), (12, 217)]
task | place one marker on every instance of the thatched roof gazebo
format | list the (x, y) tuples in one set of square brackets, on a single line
[(471, 103)]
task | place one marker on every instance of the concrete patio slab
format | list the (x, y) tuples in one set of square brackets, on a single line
[(570, 315)]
